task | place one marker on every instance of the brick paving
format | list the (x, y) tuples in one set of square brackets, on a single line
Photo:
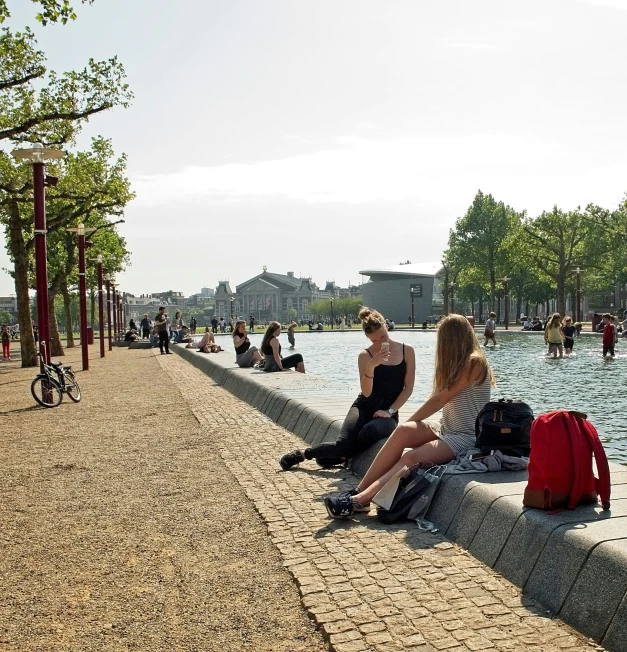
[(369, 587)]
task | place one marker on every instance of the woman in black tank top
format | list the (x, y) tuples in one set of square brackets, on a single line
[(386, 371)]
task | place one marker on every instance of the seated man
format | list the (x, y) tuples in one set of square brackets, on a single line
[(528, 324), (184, 336)]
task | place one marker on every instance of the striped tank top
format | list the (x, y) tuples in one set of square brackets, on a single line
[(459, 414)]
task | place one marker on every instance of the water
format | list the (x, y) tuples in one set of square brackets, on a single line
[(584, 382)]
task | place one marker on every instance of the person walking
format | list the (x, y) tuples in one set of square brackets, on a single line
[(161, 324), (214, 325), (608, 335), (6, 342), (554, 336), (386, 370), (290, 334), (490, 328), (144, 324)]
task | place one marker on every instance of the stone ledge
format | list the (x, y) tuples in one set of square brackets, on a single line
[(574, 563)]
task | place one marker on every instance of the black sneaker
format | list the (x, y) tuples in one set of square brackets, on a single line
[(357, 507), (339, 506), (291, 459)]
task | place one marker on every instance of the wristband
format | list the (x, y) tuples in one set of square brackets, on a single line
[(367, 376)]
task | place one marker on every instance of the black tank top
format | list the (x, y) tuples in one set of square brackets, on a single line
[(267, 349), (242, 348), (388, 382)]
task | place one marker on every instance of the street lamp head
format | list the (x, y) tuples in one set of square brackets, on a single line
[(99, 259), (81, 229), (37, 153)]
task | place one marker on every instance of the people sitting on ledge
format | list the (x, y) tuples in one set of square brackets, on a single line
[(207, 344), (271, 350), (131, 335), (386, 370)]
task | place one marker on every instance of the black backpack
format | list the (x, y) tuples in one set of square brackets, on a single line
[(504, 425)]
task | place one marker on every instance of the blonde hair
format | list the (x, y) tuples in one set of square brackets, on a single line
[(371, 320), (457, 347), (555, 320)]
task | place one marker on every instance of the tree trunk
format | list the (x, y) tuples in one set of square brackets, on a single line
[(19, 253), (519, 303), (561, 295), (67, 304), (56, 348)]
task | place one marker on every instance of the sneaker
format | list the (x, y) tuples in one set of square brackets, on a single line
[(341, 506), (291, 459), (358, 507)]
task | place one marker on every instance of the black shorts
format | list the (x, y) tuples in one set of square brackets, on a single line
[(569, 343), (608, 349)]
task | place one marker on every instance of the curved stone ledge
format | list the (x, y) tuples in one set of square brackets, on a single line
[(574, 563)]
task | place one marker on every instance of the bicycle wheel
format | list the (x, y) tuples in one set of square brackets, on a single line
[(72, 388), (46, 391)]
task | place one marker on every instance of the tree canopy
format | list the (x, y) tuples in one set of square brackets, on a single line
[(51, 11)]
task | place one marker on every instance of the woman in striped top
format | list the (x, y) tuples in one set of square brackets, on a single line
[(461, 387)]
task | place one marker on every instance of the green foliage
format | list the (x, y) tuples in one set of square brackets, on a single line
[(292, 313), (478, 239), (52, 11), (538, 255), (347, 306), (52, 110), (6, 317)]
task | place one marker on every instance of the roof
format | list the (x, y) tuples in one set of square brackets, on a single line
[(413, 269)]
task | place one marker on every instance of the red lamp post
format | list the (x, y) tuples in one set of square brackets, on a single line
[(38, 154), (100, 306), (114, 309), (108, 282), (82, 292)]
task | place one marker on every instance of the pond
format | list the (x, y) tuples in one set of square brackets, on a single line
[(584, 381)]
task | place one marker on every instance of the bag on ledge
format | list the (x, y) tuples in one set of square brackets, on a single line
[(560, 466), (504, 425)]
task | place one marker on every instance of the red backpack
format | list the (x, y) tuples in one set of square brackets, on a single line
[(560, 465)]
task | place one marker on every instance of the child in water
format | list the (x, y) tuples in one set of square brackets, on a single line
[(290, 334), (569, 334), (554, 336), (490, 327)]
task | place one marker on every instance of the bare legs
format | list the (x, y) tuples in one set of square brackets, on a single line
[(426, 447)]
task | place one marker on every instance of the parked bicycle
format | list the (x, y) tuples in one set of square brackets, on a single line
[(55, 380)]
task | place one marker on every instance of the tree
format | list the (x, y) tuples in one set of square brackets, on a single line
[(5, 317), (555, 243), (478, 237), (52, 11), (51, 110)]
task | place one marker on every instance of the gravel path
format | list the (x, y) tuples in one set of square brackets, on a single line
[(122, 528)]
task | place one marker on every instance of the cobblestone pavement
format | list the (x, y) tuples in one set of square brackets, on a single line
[(368, 586)]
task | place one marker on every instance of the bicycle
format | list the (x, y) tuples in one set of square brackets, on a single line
[(55, 380)]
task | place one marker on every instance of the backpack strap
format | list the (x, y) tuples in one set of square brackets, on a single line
[(603, 482), (578, 448)]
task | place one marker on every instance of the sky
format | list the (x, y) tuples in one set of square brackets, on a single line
[(334, 136)]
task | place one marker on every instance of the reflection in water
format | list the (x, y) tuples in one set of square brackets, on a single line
[(583, 382)]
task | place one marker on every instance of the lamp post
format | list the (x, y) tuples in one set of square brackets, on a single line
[(81, 231), (452, 286), (107, 279), (506, 280), (114, 311), (332, 319), (37, 155), (120, 324), (100, 306), (411, 297), (232, 301)]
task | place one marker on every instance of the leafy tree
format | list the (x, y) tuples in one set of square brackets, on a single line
[(50, 109), (478, 237), (292, 313), (555, 242), (5, 317), (52, 11)]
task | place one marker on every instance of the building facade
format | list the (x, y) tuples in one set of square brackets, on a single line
[(269, 296), (392, 290)]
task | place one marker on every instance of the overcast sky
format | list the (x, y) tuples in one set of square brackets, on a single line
[(329, 136)]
